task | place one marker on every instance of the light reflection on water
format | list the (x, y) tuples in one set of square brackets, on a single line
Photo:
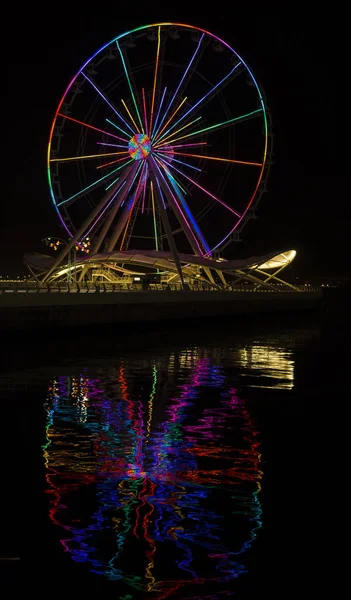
[(153, 472)]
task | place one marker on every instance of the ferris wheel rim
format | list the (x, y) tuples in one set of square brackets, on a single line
[(224, 241)]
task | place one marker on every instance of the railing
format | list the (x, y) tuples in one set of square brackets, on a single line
[(87, 287)]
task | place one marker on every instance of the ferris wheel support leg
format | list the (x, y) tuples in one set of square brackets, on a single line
[(127, 210), (126, 175), (168, 187), (274, 276), (167, 228), (66, 249), (222, 278)]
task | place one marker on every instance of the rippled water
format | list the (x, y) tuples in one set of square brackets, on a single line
[(151, 472), (151, 448)]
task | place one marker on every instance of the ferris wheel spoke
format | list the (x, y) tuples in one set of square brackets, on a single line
[(96, 222), (127, 207), (179, 85), (124, 187), (134, 203), (171, 117), (200, 102), (113, 162), (130, 115), (114, 145), (70, 158), (181, 146), (203, 189), (119, 128), (145, 114), (108, 102), (86, 223), (90, 187), (129, 83), (165, 141), (227, 160), (250, 115), (155, 79), (164, 156), (92, 127), (160, 106), (186, 220), (144, 193)]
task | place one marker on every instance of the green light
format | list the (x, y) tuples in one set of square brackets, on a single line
[(217, 125)]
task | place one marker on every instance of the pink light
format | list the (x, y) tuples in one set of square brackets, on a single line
[(206, 191)]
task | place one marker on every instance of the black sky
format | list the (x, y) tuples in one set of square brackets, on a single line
[(304, 81)]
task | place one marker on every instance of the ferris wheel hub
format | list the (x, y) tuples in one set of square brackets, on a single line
[(139, 146)]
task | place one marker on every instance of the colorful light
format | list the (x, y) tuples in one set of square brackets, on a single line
[(155, 478), (204, 97), (130, 115), (217, 125), (170, 135), (165, 141), (154, 138), (88, 156), (107, 102), (229, 160), (128, 78), (180, 83), (139, 146), (155, 78), (204, 190), (91, 127)]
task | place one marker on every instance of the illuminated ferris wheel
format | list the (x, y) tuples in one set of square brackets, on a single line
[(160, 143)]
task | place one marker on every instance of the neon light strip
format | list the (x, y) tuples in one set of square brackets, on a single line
[(114, 145), (107, 102), (242, 117), (145, 116), (129, 82), (206, 191), (119, 128), (141, 28), (159, 144), (161, 194), (188, 212), (129, 113), (91, 127), (204, 97), (239, 162), (153, 212), (144, 192), (159, 108), (87, 156), (181, 81), (113, 162), (92, 184), (105, 209), (170, 118), (178, 183), (178, 146), (155, 78), (111, 184), (181, 212), (179, 161), (136, 196)]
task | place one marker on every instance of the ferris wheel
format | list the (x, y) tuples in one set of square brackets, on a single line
[(161, 142)]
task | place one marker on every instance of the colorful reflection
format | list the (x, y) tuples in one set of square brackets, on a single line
[(153, 474)]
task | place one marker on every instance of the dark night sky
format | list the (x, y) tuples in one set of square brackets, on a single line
[(306, 207)]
